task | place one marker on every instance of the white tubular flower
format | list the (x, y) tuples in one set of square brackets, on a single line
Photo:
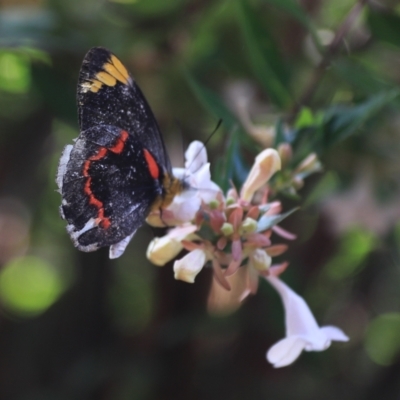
[(260, 260), (163, 249), (265, 165), (197, 174), (195, 156), (187, 268), (184, 207), (302, 330)]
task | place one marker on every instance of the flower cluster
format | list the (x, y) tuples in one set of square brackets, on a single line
[(232, 233)]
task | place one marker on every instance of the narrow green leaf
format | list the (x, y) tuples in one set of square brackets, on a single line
[(336, 124), (264, 56), (283, 135), (268, 221), (231, 167), (385, 26), (212, 103), (360, 76), (342, 121)]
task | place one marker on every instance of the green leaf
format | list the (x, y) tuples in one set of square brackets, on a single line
[(342, 121), (385, 26), (231, 167), (360, 77), (304, 118), (336, 124), (268, 221), (264, 56), (283, 133), (212, 103)]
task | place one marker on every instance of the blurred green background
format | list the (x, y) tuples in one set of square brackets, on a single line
[(79, 326)]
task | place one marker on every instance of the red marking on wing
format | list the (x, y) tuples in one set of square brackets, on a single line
[(152, 164), (120, 143), (102, 152), (101, 219)]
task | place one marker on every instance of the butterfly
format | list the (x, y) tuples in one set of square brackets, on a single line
[(118, 169)]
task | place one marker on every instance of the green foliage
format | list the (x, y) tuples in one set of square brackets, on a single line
[(264, 57), (340, 121), (119, 331), (230, 168), (385, 26), (213, 104)]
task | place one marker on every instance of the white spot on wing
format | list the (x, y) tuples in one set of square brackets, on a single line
[(61, 212), (133, 207), (62, 166), (75, 235), (117, 249)]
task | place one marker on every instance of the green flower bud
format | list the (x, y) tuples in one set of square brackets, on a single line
[(227, 229), (249, 225)]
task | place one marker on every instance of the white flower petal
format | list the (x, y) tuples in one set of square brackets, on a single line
[(298, 316), (182, 232), (187, 268), (184, 207), (300, 325), (265, 165), (179, 173), (207, 190), (162, 250), (117, 249), (195, 156), (201, 188), (317, 342), (286, 351), (334, 333), (260, 260)]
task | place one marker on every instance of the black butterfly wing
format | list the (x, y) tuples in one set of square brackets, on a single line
[(108, 95), (106, 186)]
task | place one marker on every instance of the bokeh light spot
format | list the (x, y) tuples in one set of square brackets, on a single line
[(29, 285), (355, 246), (14, 72), (382, 339)]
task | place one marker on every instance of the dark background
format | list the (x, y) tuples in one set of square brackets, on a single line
[(79, 326)]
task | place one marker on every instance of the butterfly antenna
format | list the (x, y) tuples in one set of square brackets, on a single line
[(213, 132), (207, 140)]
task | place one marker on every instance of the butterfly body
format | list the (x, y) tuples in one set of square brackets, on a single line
[(118, 170)]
